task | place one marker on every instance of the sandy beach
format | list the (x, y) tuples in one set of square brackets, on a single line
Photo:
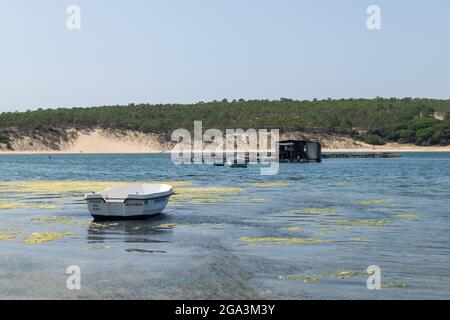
[(111, 147), (100, 141)]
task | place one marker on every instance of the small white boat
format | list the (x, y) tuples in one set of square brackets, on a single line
[(135, 201)]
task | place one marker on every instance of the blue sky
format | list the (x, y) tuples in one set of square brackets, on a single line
[(161, 51)]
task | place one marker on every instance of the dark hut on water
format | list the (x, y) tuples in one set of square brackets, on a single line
[(299, 151)]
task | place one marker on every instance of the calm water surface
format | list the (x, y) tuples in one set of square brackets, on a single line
[(229, 233)]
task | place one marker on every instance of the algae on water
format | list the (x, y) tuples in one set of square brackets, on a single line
[(361, 223), (50, 207), (3, 237), (299, 277), (360, 239), (167, 225), (54, 219), (255, 200), (374, 202), (205, 195), (408, 216), (292, 229), (43, 237), (341, 274), (390, 284), (312, 211), (70, 186), (271, 240), (271, 184), (10, 205), (344, 274)]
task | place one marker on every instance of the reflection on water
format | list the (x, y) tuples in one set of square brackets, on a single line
[(309, 232), (127, 231)]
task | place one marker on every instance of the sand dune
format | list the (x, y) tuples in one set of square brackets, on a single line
[(93, 141), (96, 142), (126, 141)]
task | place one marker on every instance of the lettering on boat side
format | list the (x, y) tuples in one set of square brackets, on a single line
[(239, 309), (134, 204)]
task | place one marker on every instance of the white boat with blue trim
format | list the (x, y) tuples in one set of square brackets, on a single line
[(135, 201)]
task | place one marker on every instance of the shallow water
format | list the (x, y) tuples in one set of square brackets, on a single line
[(308, 232)]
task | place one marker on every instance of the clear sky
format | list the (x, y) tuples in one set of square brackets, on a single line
[(161, 51)]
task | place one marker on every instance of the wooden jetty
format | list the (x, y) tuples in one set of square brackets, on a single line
[(373, 155), (300, 151)]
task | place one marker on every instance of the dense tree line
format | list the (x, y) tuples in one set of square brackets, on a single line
[(375, 120)]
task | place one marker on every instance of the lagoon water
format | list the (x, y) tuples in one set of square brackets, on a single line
[(309, 232)]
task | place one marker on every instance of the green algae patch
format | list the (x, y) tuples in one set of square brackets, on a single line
[(292, 229), (40, 205), (408, 216), (10, 205), (361, 223), (70, 186), (95, 226), (168, 225), (341, 274), (360, 239), (213, 190), (255, 200), (327, 229), (344, 274), (271, 184), (312, 211), (393, 284), (204, 195), (8, 237), (50, 207), (54, 219), (10, 231), (270, 240), (375, 202), (65, 220), (56, 187), (208, 200), (99, 225), (43, 237), (298, 277), (207, 225)]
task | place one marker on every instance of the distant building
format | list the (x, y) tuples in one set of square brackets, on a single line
[(299, 151)]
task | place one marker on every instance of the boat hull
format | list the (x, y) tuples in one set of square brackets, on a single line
[(122, 218), (129, 209)]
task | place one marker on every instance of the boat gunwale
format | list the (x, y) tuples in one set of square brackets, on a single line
[(98, 196)]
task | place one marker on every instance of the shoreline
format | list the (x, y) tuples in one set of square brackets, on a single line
[(103, 141), (324, 150)]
